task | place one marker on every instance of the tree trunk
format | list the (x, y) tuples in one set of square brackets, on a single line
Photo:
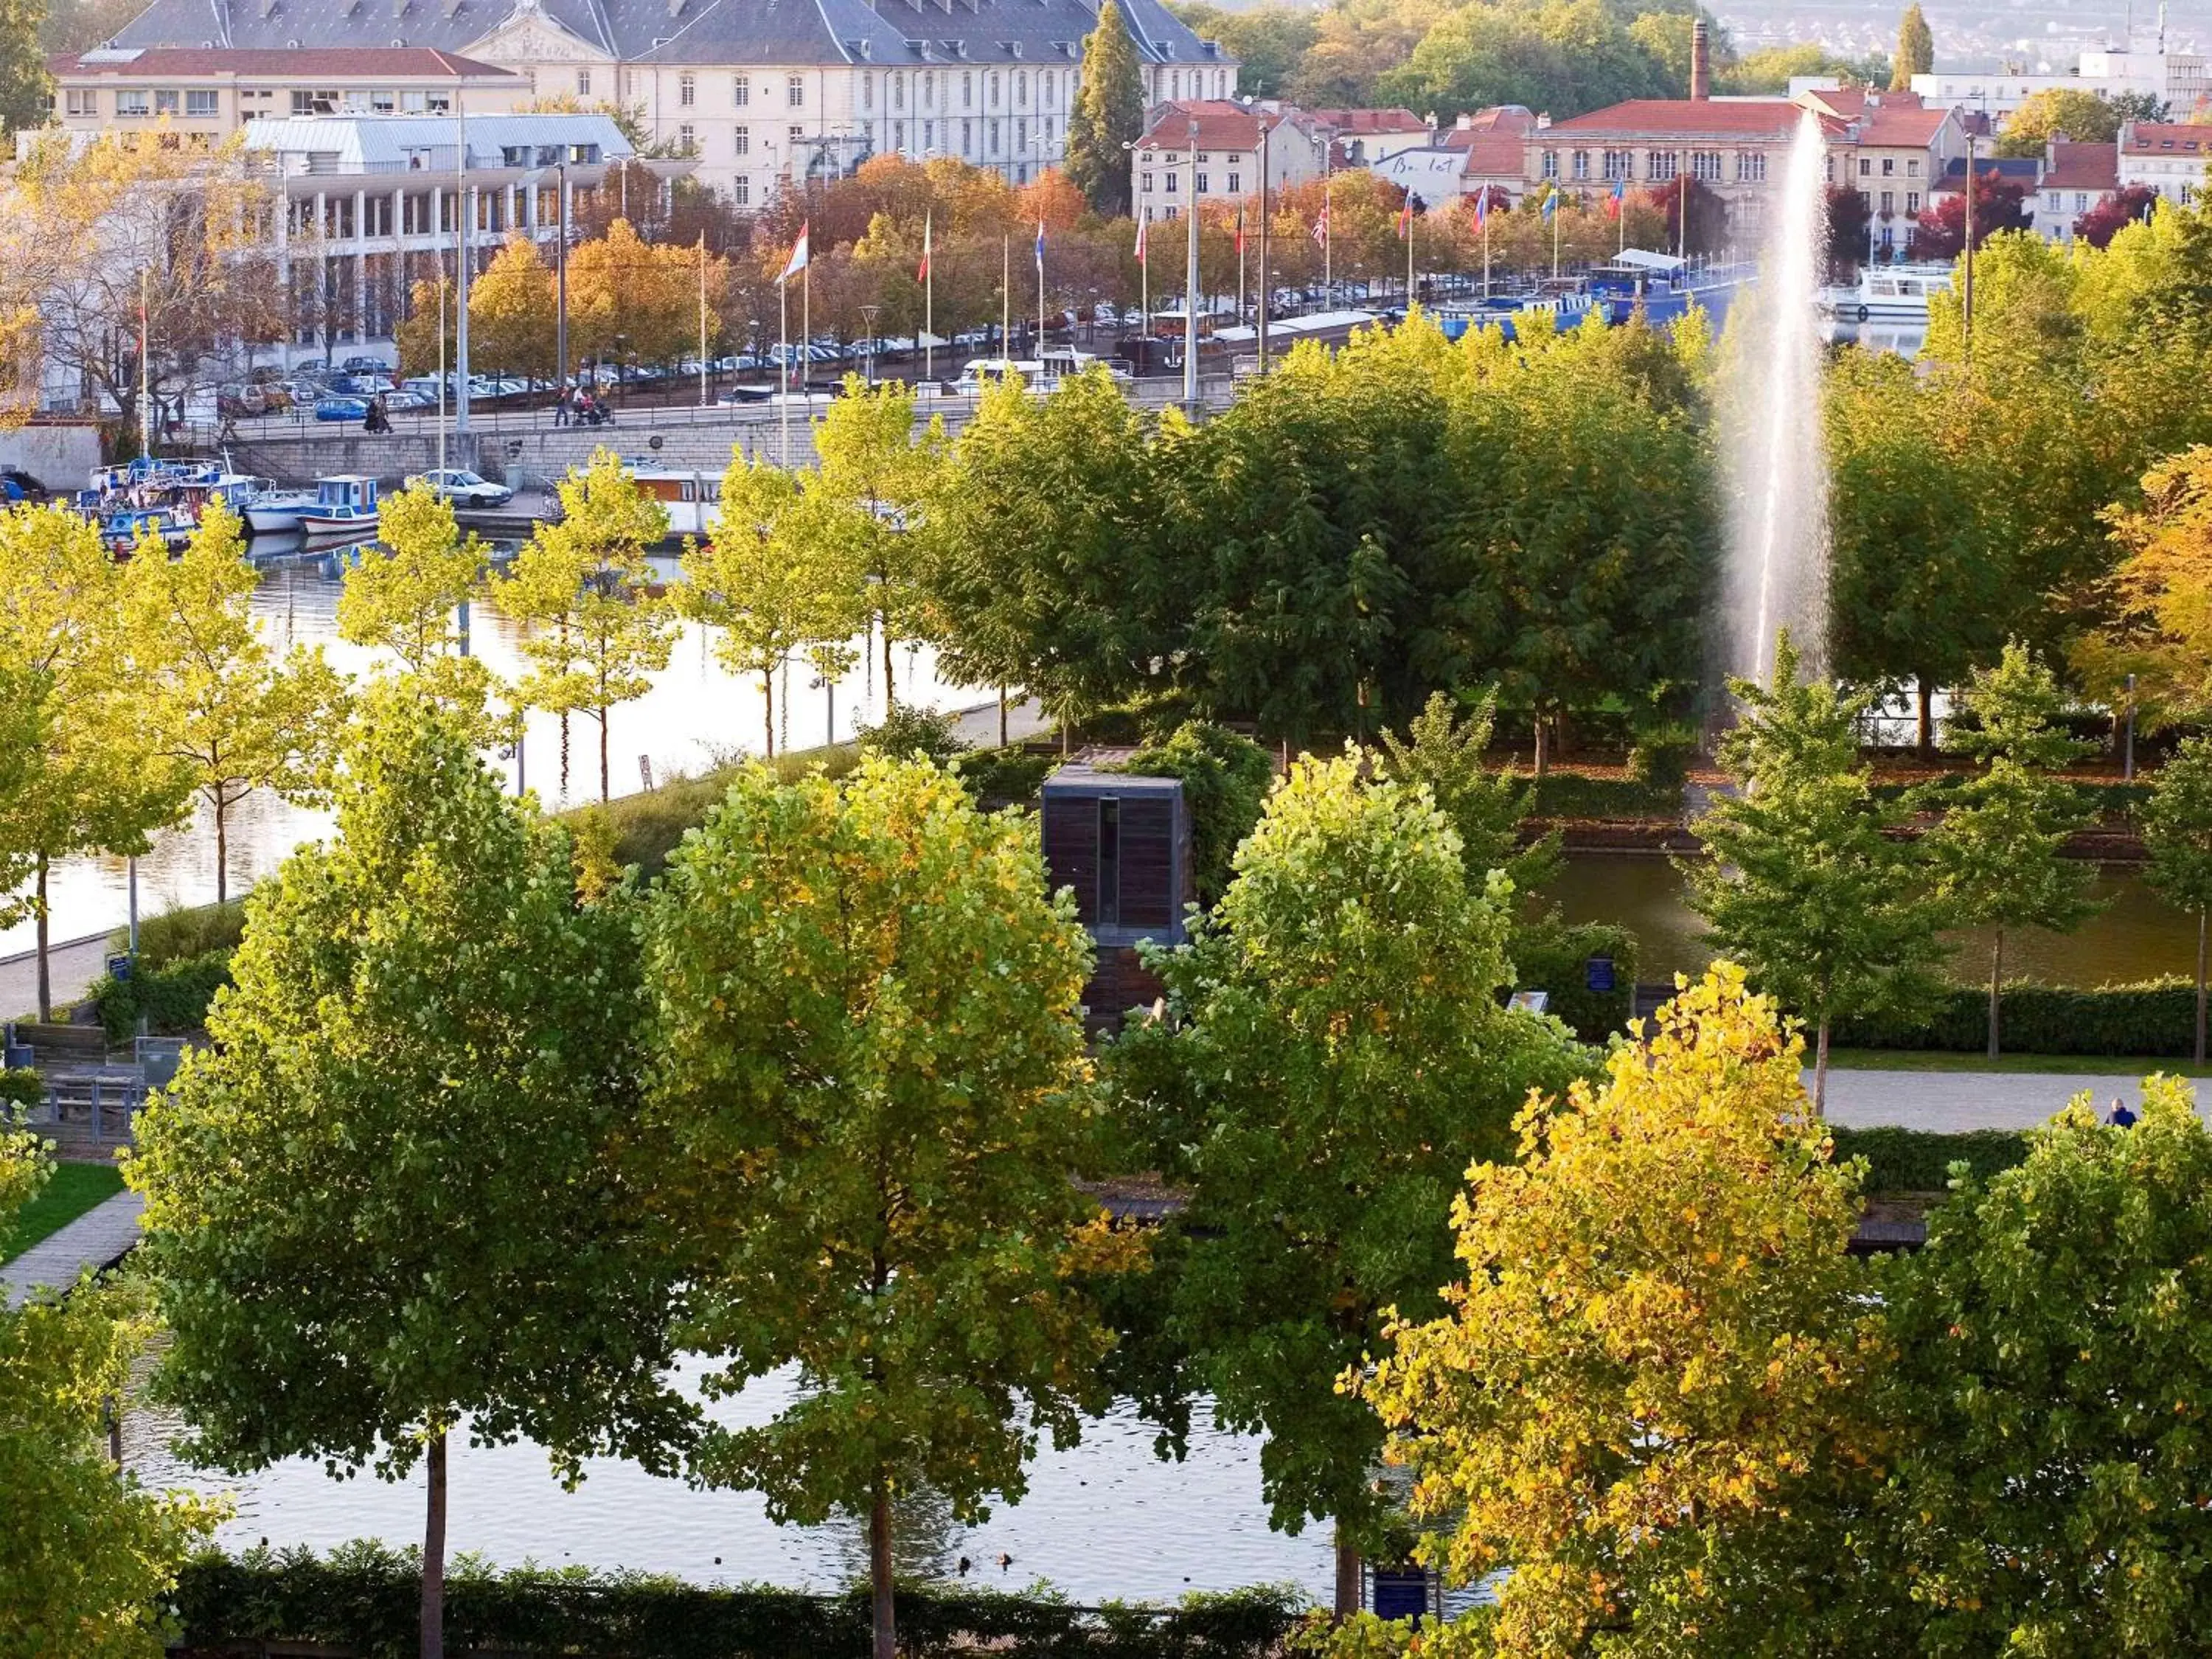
[(2201, 915), (1996, 978), (1002, 717), (768, 710), (1923, 736), (1347, 1575), (1543, 745), (433, 1553), (887, 664), (606, 782), (221, 852), (879, 1570), (45, 977), (1820, 1073)]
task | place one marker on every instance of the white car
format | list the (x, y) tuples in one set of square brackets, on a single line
[(463, 488)]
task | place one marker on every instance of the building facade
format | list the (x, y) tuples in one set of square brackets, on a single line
[(1167, 174), (214, 93), (763, 94), (1738, 149), (1482, 151), (2169, 158), (1892, 148), (2075, 178)]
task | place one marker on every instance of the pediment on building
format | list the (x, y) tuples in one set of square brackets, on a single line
[(529, 34)]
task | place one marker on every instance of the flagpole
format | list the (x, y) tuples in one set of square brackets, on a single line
[(806, 326), (1240, 263), (1144, 281), (703, 320), (1554, 199), (928, 304), (1409, 254), (1682, 225), (1007, 296), (1267, 292), (1485, 242), (1327, 255), (1040, 253), (1190, 289), (783, 361)]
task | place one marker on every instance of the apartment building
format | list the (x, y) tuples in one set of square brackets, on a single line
[(1208, 152), (763, 94), (214, 92), (1892, 148), (2169, 158)]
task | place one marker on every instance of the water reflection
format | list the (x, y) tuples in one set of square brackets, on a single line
[(1105, 1519)]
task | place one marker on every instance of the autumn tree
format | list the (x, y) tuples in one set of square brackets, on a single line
[(2177, 832), (2000, 206), (639, 301), (2070, 112), (581, 585), (217, 704), (1108, 114), (1805, 882), (512, 313), (871, 1094), (393, 1174), (404, 595), (2160, 610), (1340, 1011), (1998, 856), (2128, 205), (1658, 1351), (1916, 49)]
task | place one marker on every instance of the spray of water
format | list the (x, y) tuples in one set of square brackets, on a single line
[(1774, 458)]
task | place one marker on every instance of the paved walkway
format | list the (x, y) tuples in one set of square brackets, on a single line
[(93, 1240), (978, 727), (71, 966), (1952, 1101)]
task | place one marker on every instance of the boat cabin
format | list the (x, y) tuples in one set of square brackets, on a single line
[(347, 491)]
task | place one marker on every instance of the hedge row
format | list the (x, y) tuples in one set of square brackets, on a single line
[(1570, 795), (1554, 957), (1916, 1161), (2156, 1017), (174, 999), (364, 1599)]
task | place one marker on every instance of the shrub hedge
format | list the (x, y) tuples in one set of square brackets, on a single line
[(20, 1085), (2156, 1017), (1916, 1161), (1554, 955), (174, 999), (185, 931), (1570, 795), (363, 1599)]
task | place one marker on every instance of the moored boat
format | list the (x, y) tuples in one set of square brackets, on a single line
[(345, 505)]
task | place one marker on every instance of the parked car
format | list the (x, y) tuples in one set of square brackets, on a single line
[(366, 366), (342, 409), (463, 488), (17, 485)]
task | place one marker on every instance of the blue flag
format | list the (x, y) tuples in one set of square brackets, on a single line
[(1550, 204), (1040, 244)]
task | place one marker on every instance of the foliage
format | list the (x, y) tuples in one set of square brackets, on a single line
[(2000, 206), (20, 1085), (1566, 57), (87, 1557), (1917, 1161), (635, 302), (582, 586), (1267, 41), (25, 92), (2058, 113), (218, 709), (407, 601), (512, 313), (1005, 775), (863, 988), (360, 1597), (905, 732), (1108, 114), (2153, 1017), (1487, 809), (2160, 626), (1916, 49), (1553, 955), (483, 1265), (1225, 780), (2130, 204), (184, 931), (2177, 832), (1660, 1346), (871, 479), (1805, 885), (173, 999), (2050, 1498), (1848, 215), (1333, 1054)]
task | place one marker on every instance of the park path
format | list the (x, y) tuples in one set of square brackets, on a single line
[(95, 1238), (72, 965), (1952, 1101)]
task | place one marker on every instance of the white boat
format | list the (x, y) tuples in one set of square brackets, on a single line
[(278, 512), (1887, 294), (689, 498), (344, 505), (1038, 374)]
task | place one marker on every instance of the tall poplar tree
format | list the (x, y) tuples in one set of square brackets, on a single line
[(383, 1206), (1916, 49), (1109, 115)]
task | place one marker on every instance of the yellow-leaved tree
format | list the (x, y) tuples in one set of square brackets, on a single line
[(406, 600), (1660, 1355)]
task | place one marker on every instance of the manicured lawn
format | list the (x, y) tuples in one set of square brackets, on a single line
[(75, 1188), (1919, 1060)]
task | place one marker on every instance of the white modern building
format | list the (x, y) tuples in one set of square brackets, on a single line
[(2170, 158)]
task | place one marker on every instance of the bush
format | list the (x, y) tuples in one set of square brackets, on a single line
[(1553, 955), (1225, 780), (363, 1599), (1570, 795), (184, 932), (2158, 1017), (20, 1086), (174, 999), (1916, 1161), (648, 824), (997, 776), (907, 730)]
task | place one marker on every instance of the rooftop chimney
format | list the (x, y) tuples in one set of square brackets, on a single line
[(1701, 67)]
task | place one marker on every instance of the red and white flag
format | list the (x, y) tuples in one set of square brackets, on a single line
[(1405, 218), (1142, 225), (922, 275), (1321, 225), (796, 263)]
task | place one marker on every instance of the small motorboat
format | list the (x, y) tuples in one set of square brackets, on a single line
[(277, 511), (121, 532), (345, 505)]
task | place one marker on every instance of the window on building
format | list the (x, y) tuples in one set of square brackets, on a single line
[(1619, 164), (1706, 166), (898, 92), (165, 102), (994, 89), (898, 135), (687, 89), (1889, 201), (583, 84), (1912, 167), (929, 88), (82, 101), (1551, 164), (992, 136), (1174, 84), (967, 89), (741, 142), (1047, 85), (2050, 201), (796, 134), (1751, 166), (1865, 166), (2080, 200), (1888, 166), (741, 191), (1661, 164), (1144, 184), (1235, 183), (966, 136), (1172, 180), (794, 91), (1169, 212), (137, 102), (867, 92), (1912, 201), (687, 139), (1582, 164), (1205, 183), (741, 91), (1021, 89), (1021, 132)]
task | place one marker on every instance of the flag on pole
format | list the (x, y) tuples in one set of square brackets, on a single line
[(1405, 217), (1613, 202), (1240, 229), (1482, 208), (1321, 225), (1550, 205), (1040, 244), (796, 263), (1142, 227), (922, 275)]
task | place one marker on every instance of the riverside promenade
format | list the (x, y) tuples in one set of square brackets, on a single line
[(1949, 1102)]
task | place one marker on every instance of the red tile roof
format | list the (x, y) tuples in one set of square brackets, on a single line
[(1683, 118), (400, 63), (1489, 154), (2166, 138), (1910, 127), (2082, 167), (1515, 118), (1351, 123), (1222, 125)]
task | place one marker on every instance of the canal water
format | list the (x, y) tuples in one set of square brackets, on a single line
[(695, 714), (1103, 1519)]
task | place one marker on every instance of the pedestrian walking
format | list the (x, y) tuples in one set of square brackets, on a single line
[(561, 407), (2120, 1117)]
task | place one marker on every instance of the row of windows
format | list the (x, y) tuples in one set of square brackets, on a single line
[(1170, 183), (1174, 158), (687, 89), (1173, 80), (204, 103), (497, 208), (1889, 200), (1889, 167), (1749, 166)]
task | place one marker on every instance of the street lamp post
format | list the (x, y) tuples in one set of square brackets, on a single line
[(868, 322)]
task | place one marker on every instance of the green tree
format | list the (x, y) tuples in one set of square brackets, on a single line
[(1266, 41), (1334, 1054), (872, 479), (405, 595), (2053, 1387), (1804, 882), (1444, 755), (2086, 118), (1660, 1346), (583, 586), (872, 1093), (26, 92), (1998, 855), (1916, 49), (384, 1206), (94, 783), (1225, 780), (86, 1556), (1109, 115), (2177, 830), (217, 705)]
